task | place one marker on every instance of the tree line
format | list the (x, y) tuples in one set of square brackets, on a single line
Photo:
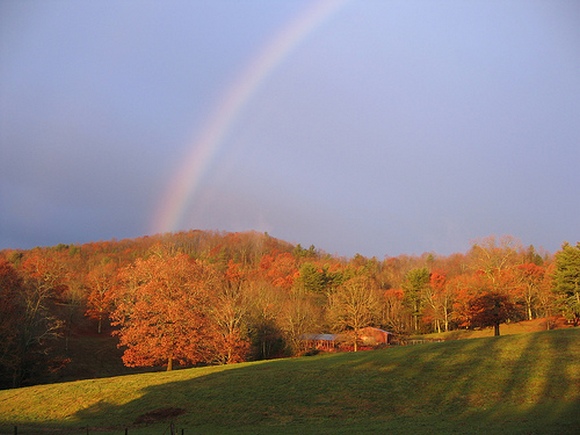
[(202, 297)]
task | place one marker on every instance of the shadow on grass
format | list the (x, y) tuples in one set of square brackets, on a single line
[(527, 384)]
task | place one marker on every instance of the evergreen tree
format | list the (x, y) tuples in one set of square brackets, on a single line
[(567, 281), (415, 282)]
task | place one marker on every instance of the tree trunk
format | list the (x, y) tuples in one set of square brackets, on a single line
[(170, 364), (496, 330)]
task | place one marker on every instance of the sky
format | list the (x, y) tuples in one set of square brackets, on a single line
[(379, 127)]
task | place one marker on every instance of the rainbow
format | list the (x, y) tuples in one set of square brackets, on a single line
[(183, 185)]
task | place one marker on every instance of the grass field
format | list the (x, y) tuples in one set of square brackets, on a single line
[(536, 325), (517, 384)]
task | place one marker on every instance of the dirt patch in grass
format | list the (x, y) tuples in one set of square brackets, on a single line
[(159, 415)]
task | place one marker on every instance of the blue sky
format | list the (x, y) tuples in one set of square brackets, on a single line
[(391, 127)]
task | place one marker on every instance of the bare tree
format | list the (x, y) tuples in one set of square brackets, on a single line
[(353, 306)]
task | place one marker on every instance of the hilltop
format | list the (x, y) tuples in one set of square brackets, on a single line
[(526, 383)]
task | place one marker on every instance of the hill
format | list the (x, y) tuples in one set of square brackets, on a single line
[(260, 296), (517, 384)]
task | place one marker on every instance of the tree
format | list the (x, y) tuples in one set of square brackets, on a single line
[(10, 316), (567, 281), (354, 305), (416, 280), (300, 315), (264, 313), (530, 277), (43, 278), (162, 309), (439, 300), (546, 297), (280, 270), (230, 312), (100, 281), (465, 289), (393, 310), (495, 260), (313, 278), (318, 280), (490, 309)]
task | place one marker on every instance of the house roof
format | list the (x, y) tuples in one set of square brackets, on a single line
[(376, 329), (319, 337), (338, 337)]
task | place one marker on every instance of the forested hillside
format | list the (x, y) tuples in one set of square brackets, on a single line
[(202, 297)]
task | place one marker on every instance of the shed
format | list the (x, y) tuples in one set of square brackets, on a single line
[(370, 336), (320, 341)]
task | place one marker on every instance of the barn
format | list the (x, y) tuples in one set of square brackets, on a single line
[(370, 336)]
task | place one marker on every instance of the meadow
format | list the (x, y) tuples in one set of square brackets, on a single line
[(526, 383)]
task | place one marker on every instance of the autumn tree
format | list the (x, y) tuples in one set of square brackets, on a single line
[(280, 269), (529, 277), (230, 312), (393, 310), (465, 288), (546, 298), (567, 281), (491, 309), (43, 278), (100, 281), (495, 283), (438, 297), (162, 309), (495, 259), (354, 305)]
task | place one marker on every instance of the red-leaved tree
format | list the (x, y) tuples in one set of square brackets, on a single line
[(162, 309), (491, 309)]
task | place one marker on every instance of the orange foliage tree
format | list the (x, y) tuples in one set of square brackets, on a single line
[(162, 309), (280, 270), (465, 287), (100, 280)]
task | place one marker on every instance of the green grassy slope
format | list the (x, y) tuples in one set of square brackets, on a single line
[(527, 383)]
